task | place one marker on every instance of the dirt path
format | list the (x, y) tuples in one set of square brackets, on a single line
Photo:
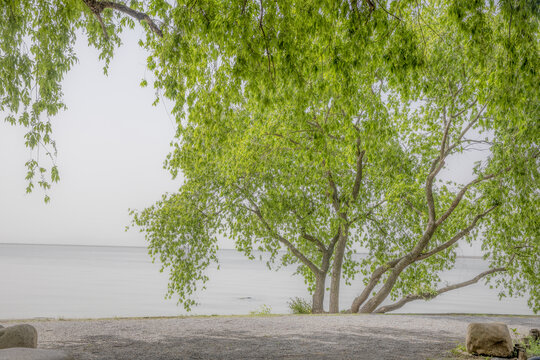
[(266, 337)]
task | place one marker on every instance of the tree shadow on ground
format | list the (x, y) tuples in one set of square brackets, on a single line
[(361, 343)]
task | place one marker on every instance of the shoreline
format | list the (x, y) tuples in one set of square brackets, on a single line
[(314, 337), (60, 318)]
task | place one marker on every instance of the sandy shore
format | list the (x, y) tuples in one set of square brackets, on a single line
[(266, 337)]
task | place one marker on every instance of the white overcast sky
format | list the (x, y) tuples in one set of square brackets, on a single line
[(111, 145)]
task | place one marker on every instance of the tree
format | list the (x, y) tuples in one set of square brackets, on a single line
[(319, 128), (273, 153), (191, 45), (464, 101), (341, 147)]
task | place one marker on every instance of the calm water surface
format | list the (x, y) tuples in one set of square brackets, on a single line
[(92, 281)]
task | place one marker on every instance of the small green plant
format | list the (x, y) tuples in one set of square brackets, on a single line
[(531, 345), (534, 348), (460, 349), (299, 305), (263, 310)]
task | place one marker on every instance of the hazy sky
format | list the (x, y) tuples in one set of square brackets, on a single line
[(111, 145)]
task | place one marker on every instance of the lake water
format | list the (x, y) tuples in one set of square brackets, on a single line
[(92, 281)]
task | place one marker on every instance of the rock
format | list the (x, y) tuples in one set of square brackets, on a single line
[(18, 336), (492, 339), (33, 354)]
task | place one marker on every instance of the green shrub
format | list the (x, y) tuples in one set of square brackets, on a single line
[(299, 305), (263, 310), (529, 343), (532, 346)]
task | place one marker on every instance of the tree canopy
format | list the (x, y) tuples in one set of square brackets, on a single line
[(334, 128), (320, 128)]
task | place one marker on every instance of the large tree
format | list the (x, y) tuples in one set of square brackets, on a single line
[(477, 91), (278, 112), (333, 130), (319, 128)]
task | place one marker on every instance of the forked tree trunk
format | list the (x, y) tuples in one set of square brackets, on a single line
[(407, 260), (385, 290), (375, 277), (336, 270)]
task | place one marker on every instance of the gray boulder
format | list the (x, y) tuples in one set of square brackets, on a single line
[(491, 339), (18, 336), (33, 354)]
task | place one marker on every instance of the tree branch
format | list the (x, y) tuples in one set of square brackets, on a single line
[(462, 192), (358, 179), (466, 108), (334, 241), (283, 137), (436, 166), (335, 195), (261, 16), (429, 296), (314, 240), (411, 205), (368, 213), (288, 244), (466, 129), (438, 163), (457, 237), (386, 11), (257, 211), (103, 27), (444, 141), (97, 7), (377, 224)]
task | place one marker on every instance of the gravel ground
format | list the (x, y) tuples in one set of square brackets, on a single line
[(385, 337)]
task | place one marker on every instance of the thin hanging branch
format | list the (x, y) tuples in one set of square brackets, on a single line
[(103, 27)]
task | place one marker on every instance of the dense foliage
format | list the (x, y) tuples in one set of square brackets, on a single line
[(321, 128)]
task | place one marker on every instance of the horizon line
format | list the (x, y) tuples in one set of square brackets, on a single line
[(142, 247)]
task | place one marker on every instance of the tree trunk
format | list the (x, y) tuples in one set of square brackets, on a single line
[(405, 261), (336, 270), (318, 295), (317, 306), (359, 300), (385, 290), (373, 281)]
